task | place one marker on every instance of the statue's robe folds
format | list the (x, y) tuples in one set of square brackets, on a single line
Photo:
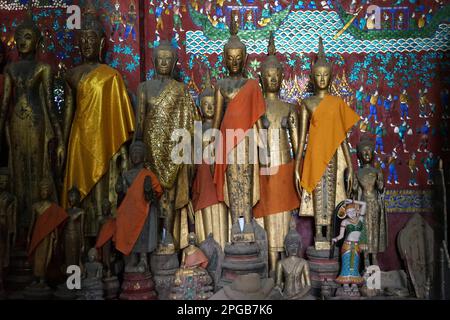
[(104, 120), (241, 113), (136, 223), (328, 128), (41, 245)]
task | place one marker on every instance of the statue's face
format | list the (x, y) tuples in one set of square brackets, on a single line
[(26, 40), (292, 250), (90, 44), (366, 154), (137, 156), (207, 106), (272, 78), (45, 192), (3, 182), (235, 60), (164, 62), (322, 77)]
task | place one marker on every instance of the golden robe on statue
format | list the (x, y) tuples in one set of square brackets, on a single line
[(104, 120)]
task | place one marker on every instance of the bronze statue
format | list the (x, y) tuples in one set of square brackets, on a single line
[(90, 123), (278, 186), (29, 121), (73, 234), (292, 273), (239, 105), (370, 189), (326, 120), (8, 214), (165, 105), (104, 244)]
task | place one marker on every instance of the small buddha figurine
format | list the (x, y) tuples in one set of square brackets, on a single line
[(352, 229), (26, 109), (192, 281), (370, 189), (325, 119), (92, 124), (239, 104), (104, 239), (211, 215), (164, 106), (73, 234), (43, 232), (8, 216), (292, 273), (282, 125), (136, 223), (91, 283)]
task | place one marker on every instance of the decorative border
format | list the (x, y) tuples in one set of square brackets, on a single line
[(409, 201)]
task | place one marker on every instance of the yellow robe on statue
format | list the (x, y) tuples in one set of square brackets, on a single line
[(104, 120)]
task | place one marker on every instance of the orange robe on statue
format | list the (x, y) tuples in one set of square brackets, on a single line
[(133, 212), (106, 233), (196, 258), (242, 113), (204, 192), (328, 128)]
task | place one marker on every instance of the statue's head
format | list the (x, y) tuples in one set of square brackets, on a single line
[(292, 241), (165, 58), (27, 36), (91, 36), (192, 238), (352, 210), (74, 196), (366, 149), (106, 207), (92, 255), (4, 178), (235, 52), (207, 99), (271, 69), (138, 152), (321, 72), (45, 188)]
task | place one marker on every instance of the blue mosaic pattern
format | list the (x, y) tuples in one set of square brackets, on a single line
[(409, 201), (300, 31)]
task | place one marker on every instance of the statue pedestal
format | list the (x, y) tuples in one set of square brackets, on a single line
[(192, 284), (63, 293), (111, 287), (20, 273), (138, 286), (164, 267), (241, 258), (39, 292), (321, 268)]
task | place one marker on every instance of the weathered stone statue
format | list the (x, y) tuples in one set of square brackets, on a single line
[(73, 234), (292, 273), (165, 105), (91, 123), (239, 105), (192, 281), (43, 232), (91, 283), (326, 120), (104, 242), (211, 215), (277, 185), (29, 121), (8, 215), (370, 189)]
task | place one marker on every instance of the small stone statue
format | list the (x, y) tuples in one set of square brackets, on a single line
[(352, 228), (292, 273), (73, 235), (104, 243), (91, 284)]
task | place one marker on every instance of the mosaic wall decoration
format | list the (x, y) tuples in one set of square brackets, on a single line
[(391, 62)]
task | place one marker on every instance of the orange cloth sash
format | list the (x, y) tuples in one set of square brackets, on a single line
[(106, 233), (133, 212), (46, 224), (203, 189), (197, 258), (242, 112), (328, 127), (277, 192)]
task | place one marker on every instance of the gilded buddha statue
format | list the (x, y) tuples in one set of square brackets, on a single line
[(326, 120), (91, 123)]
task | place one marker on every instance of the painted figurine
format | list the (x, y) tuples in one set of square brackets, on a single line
[(424, 132), (374, 101), (359, 96), (429, 163), (380, 132), (404, 105), (131, 20), (403, 130), (424, 104), (413, 170), (392, 165)]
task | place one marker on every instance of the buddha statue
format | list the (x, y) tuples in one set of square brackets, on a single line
[(28, 118), (292, 273), (95, 133), (106, 233), (278, 182), (164, 106), (91, 283), (239, 103), (325, 119)]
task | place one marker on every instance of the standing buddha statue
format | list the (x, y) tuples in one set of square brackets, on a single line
[(326, 120), (98, 121), (281, 122)]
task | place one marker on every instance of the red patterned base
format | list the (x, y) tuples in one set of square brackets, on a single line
[(138, 286)]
